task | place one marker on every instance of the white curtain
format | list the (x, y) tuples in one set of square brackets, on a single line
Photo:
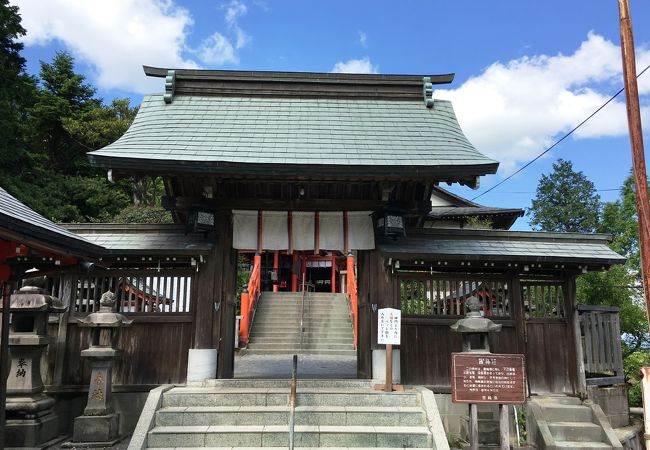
[(361, 234), (275, 230), (331, 231), (303, 230), (244, 230)]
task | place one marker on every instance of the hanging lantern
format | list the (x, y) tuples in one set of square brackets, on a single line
[(200, 220), (391, 223)]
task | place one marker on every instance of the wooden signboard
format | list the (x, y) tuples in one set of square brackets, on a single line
[(488, 378), (389, 326)]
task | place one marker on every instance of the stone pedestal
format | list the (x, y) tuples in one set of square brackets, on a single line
[(31, 421), (100, 425)]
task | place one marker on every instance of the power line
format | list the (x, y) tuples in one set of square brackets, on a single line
[(559, 140)]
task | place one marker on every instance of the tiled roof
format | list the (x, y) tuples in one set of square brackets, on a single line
[(144, 239), (494, 245), (18, 218), (206, 132)]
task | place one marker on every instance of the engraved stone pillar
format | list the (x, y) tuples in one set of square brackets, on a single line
[(31, 421), (99, 426)]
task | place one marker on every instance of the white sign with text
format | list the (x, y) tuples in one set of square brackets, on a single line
[(389, 326)]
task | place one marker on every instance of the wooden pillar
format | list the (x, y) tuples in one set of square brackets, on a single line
[(214, 304), (68, 297), (276, 269), (571, 305), (303, 269)]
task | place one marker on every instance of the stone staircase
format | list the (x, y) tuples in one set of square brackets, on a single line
[(326, 324), (559, 422), (255, 413)]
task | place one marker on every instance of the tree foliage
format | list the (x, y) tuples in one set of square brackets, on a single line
[(48, 124), (566, 201)]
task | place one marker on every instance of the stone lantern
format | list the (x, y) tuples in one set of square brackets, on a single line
[(474, 324), (99, 425), (31, 421)]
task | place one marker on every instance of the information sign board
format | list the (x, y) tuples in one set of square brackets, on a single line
[(389, 326), (488, 378)]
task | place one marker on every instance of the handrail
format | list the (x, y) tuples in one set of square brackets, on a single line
[(292, 400), (352, 293), (304, 287), (249, 300)]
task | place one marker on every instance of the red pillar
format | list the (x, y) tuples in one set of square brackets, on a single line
[(294, 275), (276, 264), (333, 273)]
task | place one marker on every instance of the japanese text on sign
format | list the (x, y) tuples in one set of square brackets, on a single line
[(388, 326), (488, 378)]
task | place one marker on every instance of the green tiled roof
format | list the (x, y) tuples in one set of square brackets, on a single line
[(508, 246), (16, 217), (143, 239), (204, 132)]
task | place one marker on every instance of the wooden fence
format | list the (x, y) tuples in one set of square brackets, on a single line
[(154, 348), (601, 344)]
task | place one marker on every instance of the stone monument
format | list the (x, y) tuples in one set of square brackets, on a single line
[(31, 421), (99, 425)]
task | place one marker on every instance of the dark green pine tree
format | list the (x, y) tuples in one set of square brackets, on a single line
[(566, 201), (17, 90)]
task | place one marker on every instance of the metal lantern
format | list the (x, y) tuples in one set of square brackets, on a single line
[(200, 220), (391, 223)]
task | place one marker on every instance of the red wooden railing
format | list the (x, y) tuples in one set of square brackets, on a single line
[(249, 300), (352, 293)]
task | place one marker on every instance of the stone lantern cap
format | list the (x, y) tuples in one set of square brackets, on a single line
[(473, 322), (105, 317), (31, 298)]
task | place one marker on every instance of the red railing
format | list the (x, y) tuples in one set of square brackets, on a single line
[(352, 293), (249, 300)]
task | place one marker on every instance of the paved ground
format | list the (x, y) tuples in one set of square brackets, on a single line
[(309, 366)]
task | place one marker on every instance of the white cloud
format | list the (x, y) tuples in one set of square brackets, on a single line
[(355, 66), (234, 10), (363, 38), (218, 50), (115, 38), (512, 111)]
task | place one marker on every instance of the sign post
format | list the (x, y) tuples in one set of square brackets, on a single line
[(478, 376), (389, 333)]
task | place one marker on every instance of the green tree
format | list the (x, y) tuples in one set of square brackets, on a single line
[(17, 89), (566, 201)]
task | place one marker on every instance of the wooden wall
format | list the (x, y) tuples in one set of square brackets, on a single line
[(427, 343), (154, 351)]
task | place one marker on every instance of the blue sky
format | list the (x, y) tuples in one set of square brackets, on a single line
[(526, 71)]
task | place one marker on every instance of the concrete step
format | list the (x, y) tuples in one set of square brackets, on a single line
[(196, 396), (556, 399), (340, 384), (296, 340), (307, 334), (558, 413), (576, 431), (277, 435), (282, 448), (296, 346), (295, 321), (314, 327), (578, 445), (279, 415), (290, 351)]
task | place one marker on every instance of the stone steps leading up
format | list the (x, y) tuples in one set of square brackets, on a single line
[(326, 325), (238, 414), (278, 435), (567, 422)]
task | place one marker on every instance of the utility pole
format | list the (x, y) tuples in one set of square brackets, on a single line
[(636, 139), (638, 161)]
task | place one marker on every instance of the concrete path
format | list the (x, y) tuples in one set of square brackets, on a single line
[(309, 366)]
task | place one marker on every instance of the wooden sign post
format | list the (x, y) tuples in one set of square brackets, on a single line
[(389, 322), (488, 378)]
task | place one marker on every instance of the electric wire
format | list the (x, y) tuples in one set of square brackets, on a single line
[(559, 140)]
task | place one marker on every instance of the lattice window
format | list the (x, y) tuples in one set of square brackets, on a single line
[(543, 298), (444, 295), (136, 291)]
